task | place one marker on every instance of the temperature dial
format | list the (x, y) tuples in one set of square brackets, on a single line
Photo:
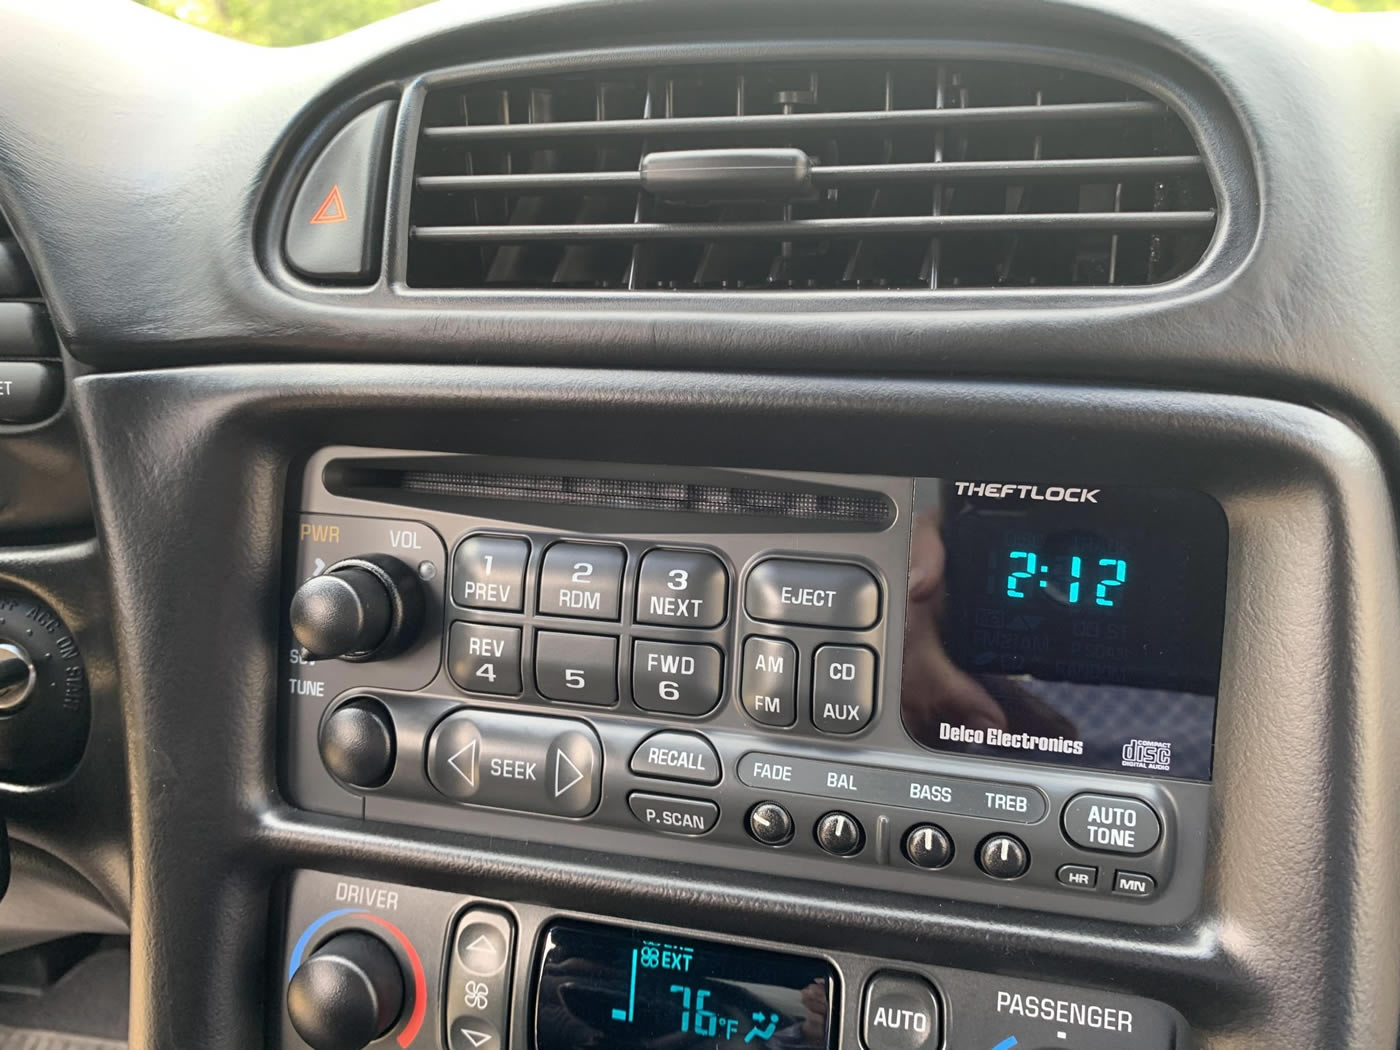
[(347, 994)]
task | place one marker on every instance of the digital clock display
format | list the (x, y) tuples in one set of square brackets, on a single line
[(1066, 624), (608, 987)]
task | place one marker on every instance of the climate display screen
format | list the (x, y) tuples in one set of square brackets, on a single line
[(603, 986), (1072, 625)]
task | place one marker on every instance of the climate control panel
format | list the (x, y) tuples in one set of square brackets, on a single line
[(367, 963), (714, 668)]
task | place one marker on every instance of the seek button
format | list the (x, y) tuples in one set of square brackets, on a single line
[(677, 756)]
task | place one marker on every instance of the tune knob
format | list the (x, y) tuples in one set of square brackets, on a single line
[(347, 994), (358, 609), (357, 743)]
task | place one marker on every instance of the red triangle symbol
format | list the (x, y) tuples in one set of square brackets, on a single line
[(332, 209)]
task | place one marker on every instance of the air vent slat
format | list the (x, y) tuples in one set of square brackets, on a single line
[(802, 228), (799, 122), (905, 174)]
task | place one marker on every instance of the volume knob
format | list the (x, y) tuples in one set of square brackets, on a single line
[(358, 609), (347, 994)]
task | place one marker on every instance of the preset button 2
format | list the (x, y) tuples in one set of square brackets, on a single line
[(583, 580), (677, 679), (681, 589)]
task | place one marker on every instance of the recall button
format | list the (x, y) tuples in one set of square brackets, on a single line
[(678, 816), (677, 756), (822, 594), (1111, 824)]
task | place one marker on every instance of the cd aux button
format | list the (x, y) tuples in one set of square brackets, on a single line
[(1111, 824), (843, 688), (813, 593), (677, 756)]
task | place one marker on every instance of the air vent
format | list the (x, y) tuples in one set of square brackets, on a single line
[(840, 175)]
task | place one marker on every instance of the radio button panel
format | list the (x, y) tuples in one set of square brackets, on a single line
[(747, 693)]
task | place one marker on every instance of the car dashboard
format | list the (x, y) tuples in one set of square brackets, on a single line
[(648, 524)]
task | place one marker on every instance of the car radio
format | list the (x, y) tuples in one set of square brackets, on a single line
[(994, 690)]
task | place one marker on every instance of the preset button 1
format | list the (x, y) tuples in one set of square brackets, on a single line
[(681, 589), (583, 580), (512, 761), (488, 572), (677, 679)]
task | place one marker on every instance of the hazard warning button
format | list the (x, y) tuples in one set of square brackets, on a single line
[(336, 221)]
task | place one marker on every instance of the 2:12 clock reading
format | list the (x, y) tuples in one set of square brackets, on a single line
[(1070, 579)]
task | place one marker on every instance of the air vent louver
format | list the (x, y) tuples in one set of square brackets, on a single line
[(917, 175)]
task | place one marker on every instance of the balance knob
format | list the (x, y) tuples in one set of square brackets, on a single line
[(347, 994), (358, 609)]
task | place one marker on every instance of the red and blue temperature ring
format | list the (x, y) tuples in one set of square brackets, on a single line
[(420, 980)]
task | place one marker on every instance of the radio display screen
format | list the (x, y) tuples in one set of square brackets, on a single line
[(605, 986), (1078, 626)]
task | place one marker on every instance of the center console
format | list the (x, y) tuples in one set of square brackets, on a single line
[(973, 688)]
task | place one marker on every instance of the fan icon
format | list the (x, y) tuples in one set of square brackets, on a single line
[(476, 995), (651, 956)]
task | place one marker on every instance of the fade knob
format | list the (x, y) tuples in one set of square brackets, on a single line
[(347, 994), (358, 609)]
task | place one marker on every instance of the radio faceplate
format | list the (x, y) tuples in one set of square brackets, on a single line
[(695, 664)]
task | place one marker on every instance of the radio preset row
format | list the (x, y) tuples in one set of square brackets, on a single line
[(1045, 725)]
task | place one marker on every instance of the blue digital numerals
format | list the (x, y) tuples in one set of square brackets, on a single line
[(1035, 572)]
